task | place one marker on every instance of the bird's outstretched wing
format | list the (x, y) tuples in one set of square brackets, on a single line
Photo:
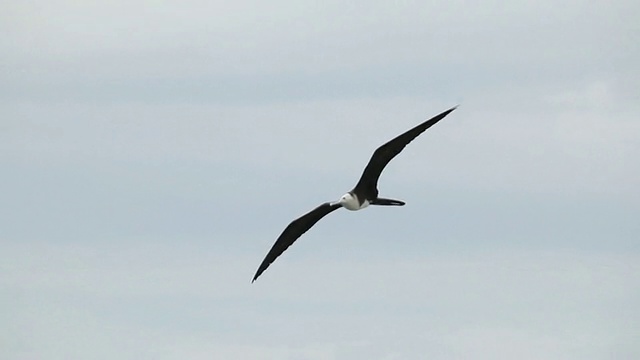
[(369, 180), (293, 231)]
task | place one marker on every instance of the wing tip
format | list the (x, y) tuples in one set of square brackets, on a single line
[(445, 113), (258, 273)]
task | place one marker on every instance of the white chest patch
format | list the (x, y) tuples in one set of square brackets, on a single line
[(352, 203), (364, 204)]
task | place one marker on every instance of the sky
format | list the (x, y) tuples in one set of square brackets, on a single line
[(152, 152)]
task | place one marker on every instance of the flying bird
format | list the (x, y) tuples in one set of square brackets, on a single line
[(365, 192)]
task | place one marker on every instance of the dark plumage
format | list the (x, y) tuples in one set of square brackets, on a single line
[(364, 193)]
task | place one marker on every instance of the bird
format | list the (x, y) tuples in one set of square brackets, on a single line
[(365, 192)]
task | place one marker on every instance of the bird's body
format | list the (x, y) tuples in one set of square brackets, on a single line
[(350, 201), (365, 192)]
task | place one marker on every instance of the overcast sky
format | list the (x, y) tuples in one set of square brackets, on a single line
[(150, 155)]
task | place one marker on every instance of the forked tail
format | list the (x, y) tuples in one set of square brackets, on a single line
[(383, 201)]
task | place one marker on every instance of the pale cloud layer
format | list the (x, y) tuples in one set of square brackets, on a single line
[(152, 153), (171, 301)]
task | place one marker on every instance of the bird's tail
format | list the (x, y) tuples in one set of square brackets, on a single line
[(383, 201)]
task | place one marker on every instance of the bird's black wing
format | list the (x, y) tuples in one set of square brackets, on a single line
[(369, 180), (293, 231)]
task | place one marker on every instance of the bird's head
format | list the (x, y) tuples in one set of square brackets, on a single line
[(349, 201)]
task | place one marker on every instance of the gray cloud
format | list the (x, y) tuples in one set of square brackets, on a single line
[(221, 52), (152, 154), (534, 304)]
